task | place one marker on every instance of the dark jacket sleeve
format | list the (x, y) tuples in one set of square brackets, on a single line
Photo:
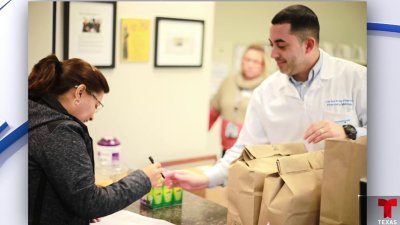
[(68, 167)]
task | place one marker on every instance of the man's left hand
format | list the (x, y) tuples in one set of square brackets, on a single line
[(322, 130)]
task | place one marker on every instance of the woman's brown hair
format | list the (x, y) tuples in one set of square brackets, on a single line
[(50, 76)]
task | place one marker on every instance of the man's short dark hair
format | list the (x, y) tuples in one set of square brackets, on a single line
[(304, 22)]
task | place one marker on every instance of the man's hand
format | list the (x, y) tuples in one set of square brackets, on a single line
[(186, 179), (322, 130)]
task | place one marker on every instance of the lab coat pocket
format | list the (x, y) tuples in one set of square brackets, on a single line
[(341, 118)]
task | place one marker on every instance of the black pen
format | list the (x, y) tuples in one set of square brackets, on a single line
[(152, 162)]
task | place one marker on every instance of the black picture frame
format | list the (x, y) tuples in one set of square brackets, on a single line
[(89, 32), (54, 27), (178, 42)]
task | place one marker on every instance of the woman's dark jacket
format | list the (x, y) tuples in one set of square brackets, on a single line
[(61, 177)]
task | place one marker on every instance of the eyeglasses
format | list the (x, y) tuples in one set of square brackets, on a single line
[(99, 105)]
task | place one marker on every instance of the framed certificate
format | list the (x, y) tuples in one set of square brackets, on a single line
[(178, 42), (89, 32)]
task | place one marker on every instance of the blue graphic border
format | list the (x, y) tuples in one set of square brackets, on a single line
[(13, 136), (383, 27)]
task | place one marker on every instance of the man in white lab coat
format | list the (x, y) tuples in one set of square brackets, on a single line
[(312, 97)]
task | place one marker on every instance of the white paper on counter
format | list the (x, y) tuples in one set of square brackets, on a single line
[(125, 217)]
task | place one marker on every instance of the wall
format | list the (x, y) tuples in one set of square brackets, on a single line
[(244, 22), (40, 19), (161, 112), (158, 112)]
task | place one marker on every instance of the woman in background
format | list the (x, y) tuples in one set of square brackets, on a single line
[(232, 98), (62, 190)]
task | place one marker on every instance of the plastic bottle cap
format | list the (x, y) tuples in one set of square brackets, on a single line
[(108, 141)]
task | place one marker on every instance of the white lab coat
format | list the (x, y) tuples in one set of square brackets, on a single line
[(276, 113)]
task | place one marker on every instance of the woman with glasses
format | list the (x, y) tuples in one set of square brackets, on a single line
[(62, 97)]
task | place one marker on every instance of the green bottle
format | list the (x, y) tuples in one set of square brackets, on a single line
[(157, 197), (177, 192), (167, 194)]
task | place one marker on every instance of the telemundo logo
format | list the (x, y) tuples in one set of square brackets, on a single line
[(387, 205)]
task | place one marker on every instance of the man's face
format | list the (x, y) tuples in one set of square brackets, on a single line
[(287, 50)]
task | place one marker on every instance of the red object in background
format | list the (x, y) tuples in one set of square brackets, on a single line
[(226, 142), (214, 114)]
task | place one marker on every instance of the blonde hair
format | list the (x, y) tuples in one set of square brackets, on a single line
[(260, 48)]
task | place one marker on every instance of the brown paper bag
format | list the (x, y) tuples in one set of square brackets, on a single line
[(345, 164), (292, 196), (246, 180)]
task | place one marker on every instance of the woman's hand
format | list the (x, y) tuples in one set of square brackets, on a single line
[(153, 172)]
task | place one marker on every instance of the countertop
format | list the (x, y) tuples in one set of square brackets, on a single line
[(193, 211)]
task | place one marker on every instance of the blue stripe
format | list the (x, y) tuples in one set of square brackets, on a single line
[(383, 27), (13, 136), (3, 126)]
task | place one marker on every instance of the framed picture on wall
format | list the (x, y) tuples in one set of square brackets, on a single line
[(178, 42), (89, 32)]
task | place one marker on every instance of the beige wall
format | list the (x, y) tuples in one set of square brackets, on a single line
[(245, 22), (40, 22), (161, 112)]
